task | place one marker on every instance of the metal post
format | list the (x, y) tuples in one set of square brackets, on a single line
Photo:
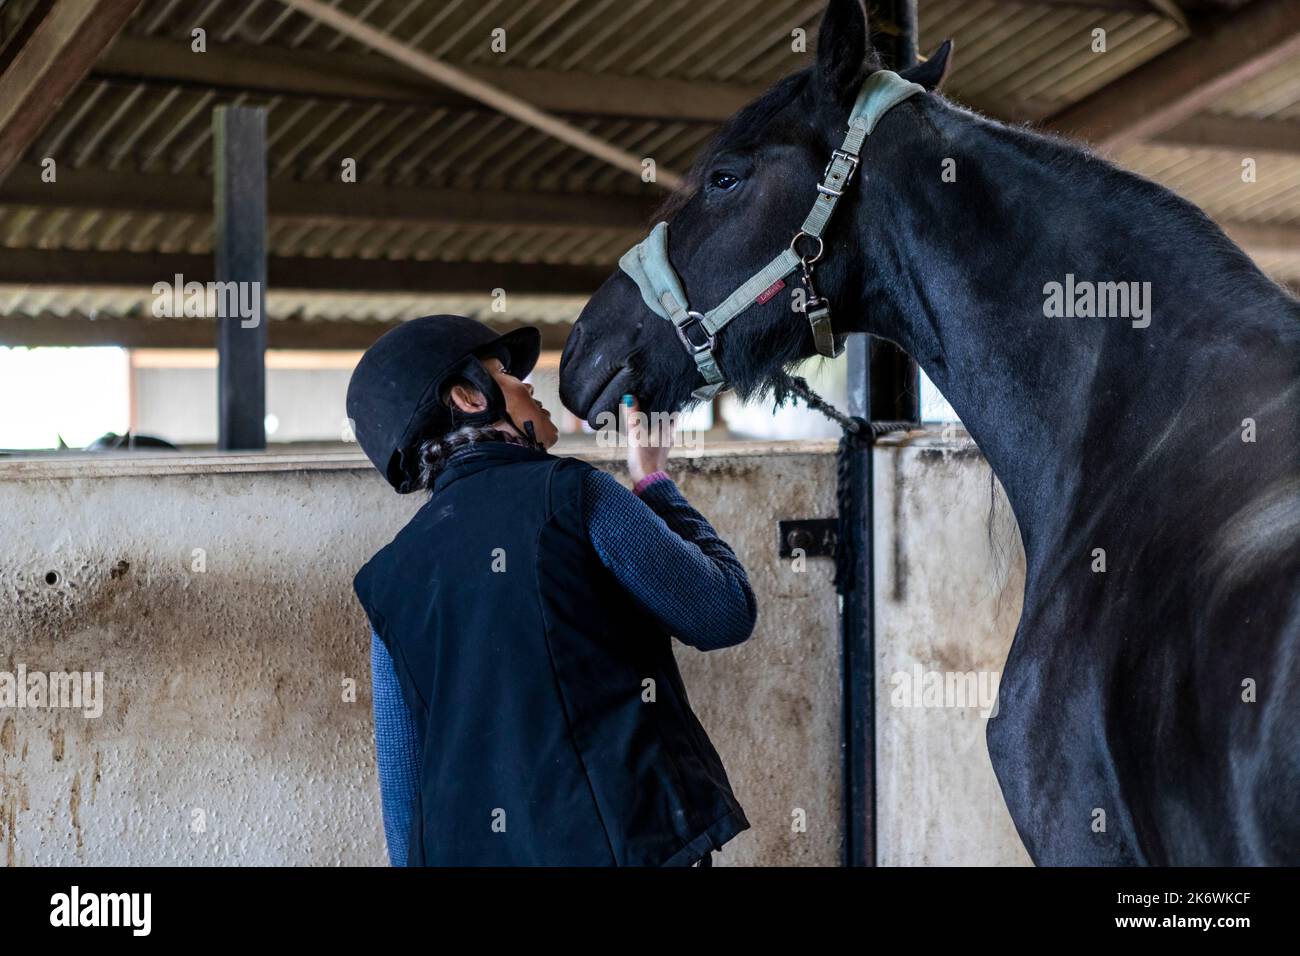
[(239, 246), (882, 386), (857, 649)]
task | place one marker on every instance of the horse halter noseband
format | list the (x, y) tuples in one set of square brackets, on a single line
[(661, 288)]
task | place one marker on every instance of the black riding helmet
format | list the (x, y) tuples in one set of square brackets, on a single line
[(396, 395)]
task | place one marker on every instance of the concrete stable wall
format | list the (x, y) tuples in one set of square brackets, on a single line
[(949, 582), (214, 595), (226, 736)]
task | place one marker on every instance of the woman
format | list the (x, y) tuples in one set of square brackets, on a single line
[(528, 709)]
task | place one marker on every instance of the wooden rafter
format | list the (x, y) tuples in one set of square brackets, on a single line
[(1264, 239), (1184, 80), (94, 268), (1213, 131), (464, 82), (54, 57), (93, 189), (340, 75), (286, 333)]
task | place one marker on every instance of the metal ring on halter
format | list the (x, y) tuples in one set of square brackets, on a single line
[(821, 247)]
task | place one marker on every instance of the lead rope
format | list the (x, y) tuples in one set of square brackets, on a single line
[(858, 435)]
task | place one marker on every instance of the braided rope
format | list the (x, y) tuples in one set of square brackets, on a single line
[(859, 435), (795, 385)]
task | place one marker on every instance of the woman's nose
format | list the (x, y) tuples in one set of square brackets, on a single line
[(529, 386)]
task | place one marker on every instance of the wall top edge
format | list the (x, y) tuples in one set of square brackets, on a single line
[(162, 464)]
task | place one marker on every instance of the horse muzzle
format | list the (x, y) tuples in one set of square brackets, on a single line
[(592, 379)]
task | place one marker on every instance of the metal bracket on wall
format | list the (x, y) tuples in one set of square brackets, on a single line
[(816, 537)]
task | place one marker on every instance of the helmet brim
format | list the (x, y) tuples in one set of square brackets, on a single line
[(523, 346)]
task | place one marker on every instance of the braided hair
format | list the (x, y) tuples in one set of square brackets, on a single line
[(435, 453)]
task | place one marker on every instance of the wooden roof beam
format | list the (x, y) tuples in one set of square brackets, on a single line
[(54, 57), (1127, 6), (73, 267), (286, 333), (1264, 239), (1186, 79), (510, 104), (192, 195), (337, 75), (1239, 134)]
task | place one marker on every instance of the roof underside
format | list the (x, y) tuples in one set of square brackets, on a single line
[(134, 139)]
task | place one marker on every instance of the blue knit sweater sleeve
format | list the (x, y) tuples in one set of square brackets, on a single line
[(397, 747), (669, 558)]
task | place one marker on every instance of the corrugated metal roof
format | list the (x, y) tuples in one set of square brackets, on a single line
[(168, 130), (1273, 95), (63, 302), (1027, 61), (1280, 266), (696, 39), (1212, 178), (1017, 61), (170, 232)]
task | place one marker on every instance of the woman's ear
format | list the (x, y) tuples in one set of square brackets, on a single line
[(467, 398)]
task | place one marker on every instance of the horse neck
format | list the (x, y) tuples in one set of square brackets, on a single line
[(1063, 408)]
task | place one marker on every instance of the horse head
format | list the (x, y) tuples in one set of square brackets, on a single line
[(743, 201)]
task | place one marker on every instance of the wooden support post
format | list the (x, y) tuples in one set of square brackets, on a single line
[(239, 181)]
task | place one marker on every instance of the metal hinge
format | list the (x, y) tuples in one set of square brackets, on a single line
[(815, 537)]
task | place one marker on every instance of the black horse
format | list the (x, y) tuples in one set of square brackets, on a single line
[(1149, 710)]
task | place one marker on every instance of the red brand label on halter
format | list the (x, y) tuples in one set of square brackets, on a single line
[(766, 295)]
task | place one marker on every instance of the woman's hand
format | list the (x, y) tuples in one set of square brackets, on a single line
[(649, 439)]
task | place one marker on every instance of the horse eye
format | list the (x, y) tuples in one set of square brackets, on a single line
[(724, 181)]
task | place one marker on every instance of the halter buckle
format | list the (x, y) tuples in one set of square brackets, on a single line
[(693, 347), (849, 158)]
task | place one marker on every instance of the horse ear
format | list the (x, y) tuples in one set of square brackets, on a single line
[(933, 71), (842, 48)]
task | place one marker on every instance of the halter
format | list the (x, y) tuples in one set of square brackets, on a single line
[(661, 288)]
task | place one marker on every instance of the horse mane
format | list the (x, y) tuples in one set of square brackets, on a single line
[(1073, 160)]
